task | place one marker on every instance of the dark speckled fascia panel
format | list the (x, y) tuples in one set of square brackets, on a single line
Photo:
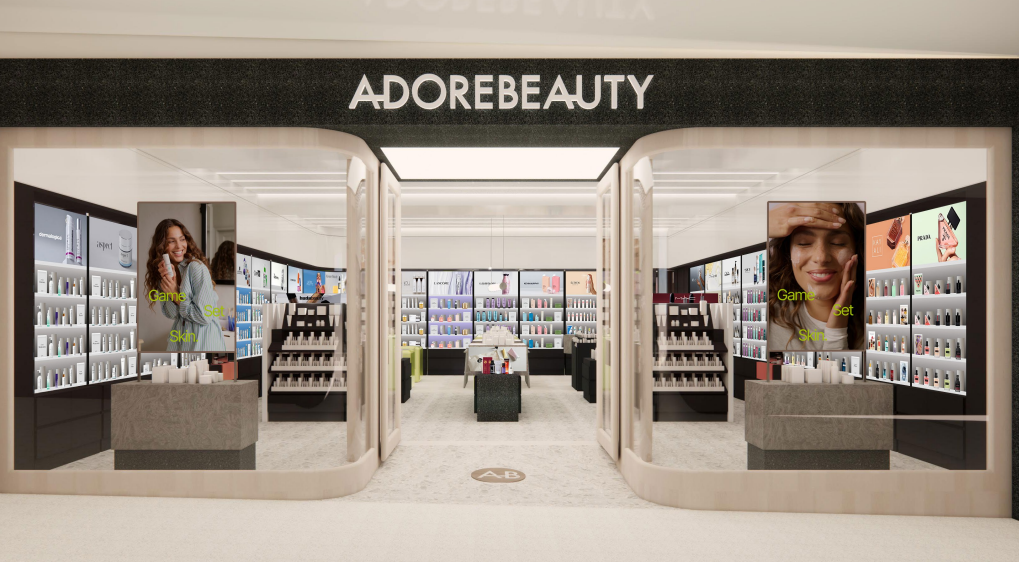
[(684, 93)]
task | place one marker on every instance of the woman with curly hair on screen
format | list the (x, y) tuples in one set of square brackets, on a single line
[(184, 289)]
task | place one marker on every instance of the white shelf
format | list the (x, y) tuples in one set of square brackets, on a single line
[(114, 379), (62, 327), (888, 298), (899, 271), (709, 369), (889, 381), (107, 326), (59, 297), (923, 329), (687, 347), (100, 270), (108, 353), (752, 321), (946, 267), (495, 308), (892, 353), (38, 391), (945, 390), (322, 389), (581, 321), (309, 348), (684, 389), (883, 326), (124, 299), (55, 357), (931, 299), (753, 340), (320, 369), (960, 364), (54, 265), (754, 287), (754, 304), (250, 356), (547, 308), (246, 339)]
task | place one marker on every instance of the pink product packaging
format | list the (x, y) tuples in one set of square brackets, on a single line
[(555, 283)]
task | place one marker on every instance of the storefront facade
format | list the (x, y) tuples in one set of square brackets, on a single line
[(646, 107)]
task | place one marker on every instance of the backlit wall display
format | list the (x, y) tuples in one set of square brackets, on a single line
[(713, 277), (697, 282), (939, 235), (581, 283), (278, 281), (888, 244), (260, 277), (295, 280)]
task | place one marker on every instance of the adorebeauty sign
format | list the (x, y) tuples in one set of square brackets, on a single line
[(501, 92)]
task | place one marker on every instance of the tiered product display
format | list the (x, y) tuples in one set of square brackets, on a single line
[(414, 323), (450, 309), (306, 357), (754, 308), (541, 309), (581, 303), (689, 356), (732, 272), (495, 300)]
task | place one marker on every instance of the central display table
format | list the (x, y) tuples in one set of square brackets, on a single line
[(184, 426)]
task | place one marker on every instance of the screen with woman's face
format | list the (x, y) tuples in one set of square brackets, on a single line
[(816, 260), (185, 252)]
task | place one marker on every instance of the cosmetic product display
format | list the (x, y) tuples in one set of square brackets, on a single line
[(413, 312), (542, 304), (732, 292), (689, 354), (450, 310), (581, 303), (752, 315)]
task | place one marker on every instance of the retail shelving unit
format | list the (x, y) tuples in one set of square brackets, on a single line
[(846, 361), (581, 303), (450, 320), (689, 365), (542, 316), (304, 370), (732, 272), (413, 309), (496, 300), (245, 332), (754, 308)]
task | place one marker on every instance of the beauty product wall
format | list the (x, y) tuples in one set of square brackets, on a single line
[(495, 300), (581, 303), (414, 309), (259, 296), (888, 301), (916, 300), (732, 293), (542, 305), (450, 309), (244, 332), (754, 308), (113, 301), (697, 281)]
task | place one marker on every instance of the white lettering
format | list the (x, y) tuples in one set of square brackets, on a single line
[(458, 86), (482, 87), (364, 93), (613, 81), (559, 94), (389, 103), (416, 88), (526, 90), (579, 96), (640, 88), (507, 88)]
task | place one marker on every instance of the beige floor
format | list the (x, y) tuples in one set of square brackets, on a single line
[(422, 505)]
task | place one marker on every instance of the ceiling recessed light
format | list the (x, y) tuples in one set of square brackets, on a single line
[(499, 163)]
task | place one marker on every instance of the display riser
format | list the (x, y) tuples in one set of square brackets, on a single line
[(546, 362), (250, 369), (743, 370), (673, 406), (311, 407), (581, 351), (445, 361)]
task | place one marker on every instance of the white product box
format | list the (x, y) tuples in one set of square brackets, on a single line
[(80, 314), (97, 283), (42, 347), (132, 365), (97, 341), (41, 281), (132, 314), (812, 376)]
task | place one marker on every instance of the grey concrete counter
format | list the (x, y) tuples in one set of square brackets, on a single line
[(778, 439), (184, 426)]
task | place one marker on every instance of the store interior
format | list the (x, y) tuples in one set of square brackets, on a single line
[(486, 248)]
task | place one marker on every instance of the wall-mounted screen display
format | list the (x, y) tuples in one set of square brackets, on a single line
[(888, 243), (697, 279), (581, 283), (940, 234), (278, 281), (260, 274), (295, 280)]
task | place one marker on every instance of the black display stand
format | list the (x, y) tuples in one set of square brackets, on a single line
[(546, 361), (313, 405), (694, 404), (580, 352)]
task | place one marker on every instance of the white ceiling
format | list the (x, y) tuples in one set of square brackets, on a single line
[(578, 28)]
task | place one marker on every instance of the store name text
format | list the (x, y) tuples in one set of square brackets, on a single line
[(500, 92)]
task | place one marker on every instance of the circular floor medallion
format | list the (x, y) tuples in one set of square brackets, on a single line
[(498, 475)]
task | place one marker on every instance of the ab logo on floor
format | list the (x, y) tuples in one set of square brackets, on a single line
[(497, 475)]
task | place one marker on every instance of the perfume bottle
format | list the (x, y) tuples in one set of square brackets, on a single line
[(957, 383), (946, 232)]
